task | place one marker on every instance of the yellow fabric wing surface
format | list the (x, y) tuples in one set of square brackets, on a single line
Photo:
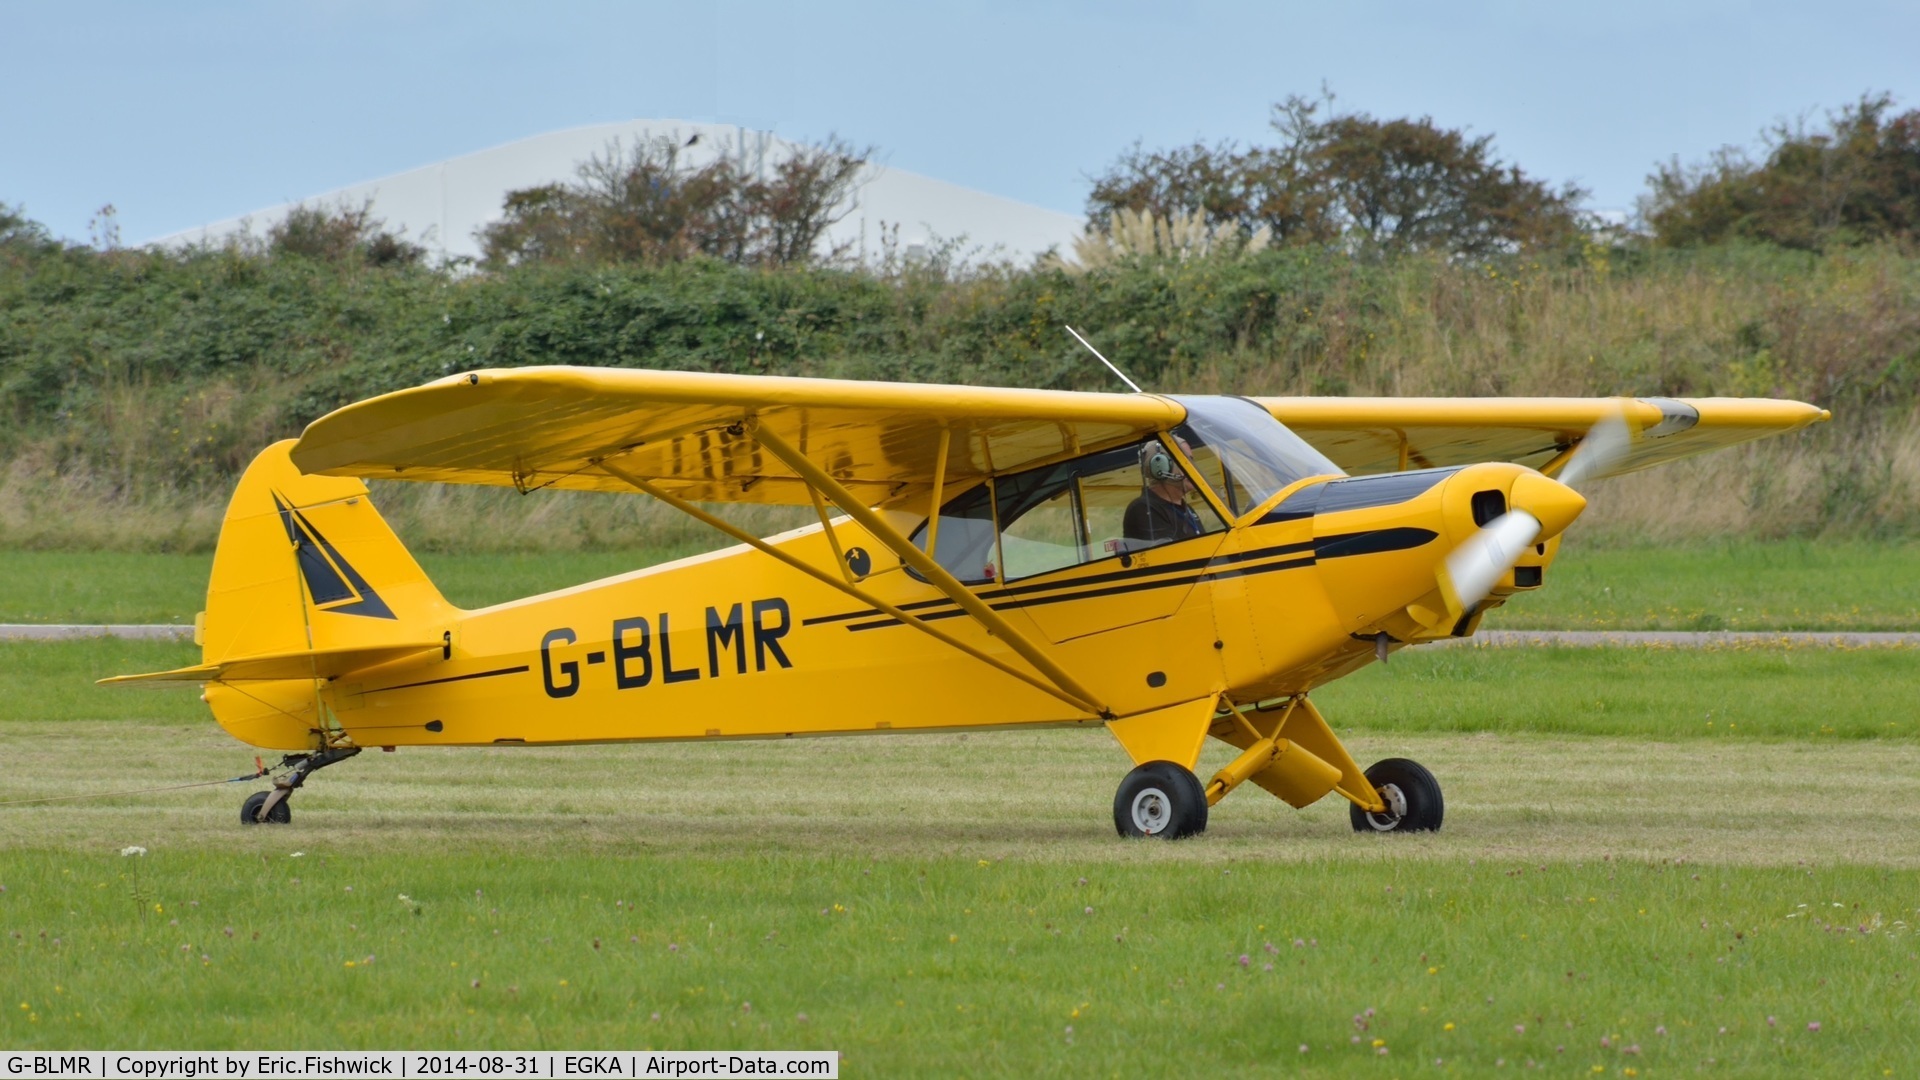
[(1372, 435), (547, 426)]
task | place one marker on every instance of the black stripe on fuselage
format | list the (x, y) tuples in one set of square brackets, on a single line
[(1089, 594), (1233, 565), (456, 678), (1184, 566), (1022, 590), (1372, 542)]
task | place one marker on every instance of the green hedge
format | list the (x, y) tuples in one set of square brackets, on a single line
[(145, 368)]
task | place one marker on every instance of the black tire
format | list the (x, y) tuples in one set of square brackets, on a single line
[(281, 814), (1160, 799), (1418, 796)]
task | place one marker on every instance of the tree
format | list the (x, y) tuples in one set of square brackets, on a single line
[(1854, 181), (1407, 185), (649, 205), (17, 229), (1373, 185), (341, 234), (1246, 190)]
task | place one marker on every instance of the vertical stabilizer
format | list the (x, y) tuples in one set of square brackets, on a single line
[(304, 564)]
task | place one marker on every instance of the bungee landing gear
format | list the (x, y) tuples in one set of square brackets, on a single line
[(270, 807)]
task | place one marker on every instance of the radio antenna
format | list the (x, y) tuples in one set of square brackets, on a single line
[(1104, 360)]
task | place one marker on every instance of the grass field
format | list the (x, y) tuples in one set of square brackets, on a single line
[(1745, 585), (1811, 693), (1742, 585), (1632, 893)]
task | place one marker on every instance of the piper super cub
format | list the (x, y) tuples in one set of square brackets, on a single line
[(1164, 567)]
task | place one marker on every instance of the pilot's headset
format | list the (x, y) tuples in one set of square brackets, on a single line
[(1156, 464)]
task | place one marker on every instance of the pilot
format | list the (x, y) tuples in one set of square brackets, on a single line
[(1161, 514)]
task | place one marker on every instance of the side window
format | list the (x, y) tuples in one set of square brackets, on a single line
[(1107, 489), (965, 544), (1047, 535)]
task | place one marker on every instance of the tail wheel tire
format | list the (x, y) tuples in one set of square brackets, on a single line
[(281, 813), (1160, 799), (1412, 796)]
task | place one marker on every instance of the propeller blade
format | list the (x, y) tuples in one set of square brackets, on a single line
[(1603, 447), (1477, 565), (1472, 570)]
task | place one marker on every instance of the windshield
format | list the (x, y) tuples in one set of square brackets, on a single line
[(1243, 453)]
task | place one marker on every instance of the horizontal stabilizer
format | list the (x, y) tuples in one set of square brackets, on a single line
[(305, 664)]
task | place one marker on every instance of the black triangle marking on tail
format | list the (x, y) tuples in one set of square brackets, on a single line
[(332, 581)]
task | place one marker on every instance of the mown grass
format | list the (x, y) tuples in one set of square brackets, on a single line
[(126, 587), (1757, 692), (1772, 692), (1737, 585), (957, 904), (962, 966)]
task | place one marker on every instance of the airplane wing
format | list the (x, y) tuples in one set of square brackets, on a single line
[(549, 427), (1373, 435)]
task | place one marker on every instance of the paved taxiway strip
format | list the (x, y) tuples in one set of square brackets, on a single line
[(70, 631), (1671, 639)]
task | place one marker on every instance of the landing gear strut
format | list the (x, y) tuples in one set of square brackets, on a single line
[(270, 807)]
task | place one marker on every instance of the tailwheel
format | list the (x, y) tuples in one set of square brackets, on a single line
[(270, 807), (1412, 796), (1160, 799), (279, 814)]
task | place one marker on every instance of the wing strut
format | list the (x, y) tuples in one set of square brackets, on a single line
[(938, 496), (932, 571), (833, 538), (825, 578)]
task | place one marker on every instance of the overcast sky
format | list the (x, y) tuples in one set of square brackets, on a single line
[(184, 113)]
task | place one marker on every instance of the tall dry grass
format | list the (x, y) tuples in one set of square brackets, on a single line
[(1831, 480), (1824, 482), (1841, 330), (40, 511)]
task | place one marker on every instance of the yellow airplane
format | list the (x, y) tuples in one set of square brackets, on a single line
[(1164, 567)]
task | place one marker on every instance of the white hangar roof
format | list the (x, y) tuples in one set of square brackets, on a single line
[(443, 206)]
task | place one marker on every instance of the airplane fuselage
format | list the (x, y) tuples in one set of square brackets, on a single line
[(736, 644)]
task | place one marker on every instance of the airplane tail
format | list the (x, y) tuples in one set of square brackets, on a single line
[(309, 584)]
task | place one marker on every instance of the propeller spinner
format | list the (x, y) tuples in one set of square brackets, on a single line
[(1541, 509)]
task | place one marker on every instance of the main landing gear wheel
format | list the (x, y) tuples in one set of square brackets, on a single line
[(1160, 799), (1412, 796), (281, 813)]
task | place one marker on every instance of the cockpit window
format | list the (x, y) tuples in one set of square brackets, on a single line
[(1243, 453), (1100, 506)]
